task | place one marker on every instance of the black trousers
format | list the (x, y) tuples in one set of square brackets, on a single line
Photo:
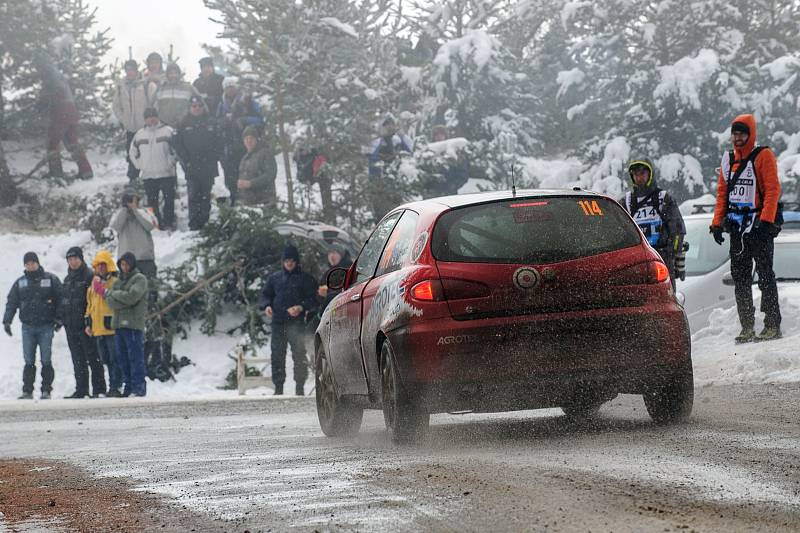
[(199, 190), (154, 187), (133, 172), (230, 167), (84, 358), (760, 248), (292, 333)]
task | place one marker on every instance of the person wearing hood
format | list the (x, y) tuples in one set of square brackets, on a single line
[(37, 295), (127, 299), (73, 310), (209, 84), (63, 116), (287, 297), (155, 68), (748, 209), (98, 316), (338, 257), (257, 170), (382, 153), (656, 214), (173, 97), (235, 112), (198, 143), (152, 153), (132, 96)]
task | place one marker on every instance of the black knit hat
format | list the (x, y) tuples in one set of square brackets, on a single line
[(150, 112), (206, 61), (131, 64), (75, 251), (30, 256), (740, 127), (290, 252)]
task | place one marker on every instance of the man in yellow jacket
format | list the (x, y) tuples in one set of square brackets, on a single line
[(98, 317)]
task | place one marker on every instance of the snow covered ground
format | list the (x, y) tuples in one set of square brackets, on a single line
[(717, 359)]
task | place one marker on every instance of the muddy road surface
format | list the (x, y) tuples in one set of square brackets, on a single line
[(263, 465)]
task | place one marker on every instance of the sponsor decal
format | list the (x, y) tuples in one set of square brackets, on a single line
[(526, 278), (419, 245), (457, 339)]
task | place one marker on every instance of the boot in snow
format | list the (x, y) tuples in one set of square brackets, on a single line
[(278, 390), (769, 334), (746, 335), (299, 389), (28, 377), (25, 396)]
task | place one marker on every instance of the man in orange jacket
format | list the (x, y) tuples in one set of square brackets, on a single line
[(748, 192)]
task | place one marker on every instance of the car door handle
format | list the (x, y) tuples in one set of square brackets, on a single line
[(355, 297)]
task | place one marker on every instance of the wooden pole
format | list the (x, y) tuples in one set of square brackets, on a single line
[(284, 142)]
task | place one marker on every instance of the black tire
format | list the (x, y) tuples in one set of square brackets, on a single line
[(672, 399), (405, 419), (337, 417), (581, 411)]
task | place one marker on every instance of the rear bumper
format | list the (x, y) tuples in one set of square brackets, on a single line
[(623, 345)]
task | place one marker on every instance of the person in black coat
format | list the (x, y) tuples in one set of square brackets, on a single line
[(287, 297), (338, 257), (37, 295), (73, 312), (209, 84), (198, 143)]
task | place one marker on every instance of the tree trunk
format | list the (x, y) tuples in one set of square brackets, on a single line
[(326, 193), (8, 189), (284, 142)]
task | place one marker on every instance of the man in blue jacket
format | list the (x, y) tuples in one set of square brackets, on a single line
[(287, 296), (37, 295)]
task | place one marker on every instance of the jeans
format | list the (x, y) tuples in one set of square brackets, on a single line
[(85, 358), (130, 358), (41, 336), (133, 172), (106, 347), (166, 187), (292, 333), (759, 248)]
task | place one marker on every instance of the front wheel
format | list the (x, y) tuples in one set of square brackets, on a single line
[(405, 419), (671, 399), (337, 417)]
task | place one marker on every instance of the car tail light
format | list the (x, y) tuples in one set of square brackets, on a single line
[(651, 272), (427, 291), (459, 289)]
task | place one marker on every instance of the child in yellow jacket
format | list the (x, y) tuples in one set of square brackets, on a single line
[(98, 317)]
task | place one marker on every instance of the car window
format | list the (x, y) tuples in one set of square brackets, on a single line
[(704, 254), (786, 261), (371, 252), (399, 245), (533, 230)]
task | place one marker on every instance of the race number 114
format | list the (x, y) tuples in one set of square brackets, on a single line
[(590, 208)]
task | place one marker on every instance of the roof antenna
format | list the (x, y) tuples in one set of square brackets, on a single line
[(513, 182)]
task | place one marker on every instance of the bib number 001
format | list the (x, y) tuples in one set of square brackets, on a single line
[(590, 208)]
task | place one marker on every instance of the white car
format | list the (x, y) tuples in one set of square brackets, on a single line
[(708, 284)]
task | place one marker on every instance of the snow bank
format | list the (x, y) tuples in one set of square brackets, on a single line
[(717, 360)]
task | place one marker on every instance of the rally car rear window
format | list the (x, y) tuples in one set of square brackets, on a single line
[(533, 230)]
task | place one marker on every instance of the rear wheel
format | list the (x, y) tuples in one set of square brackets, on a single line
[(671, 400), (405, 419), (337, 417)]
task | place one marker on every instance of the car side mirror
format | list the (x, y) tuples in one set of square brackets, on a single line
[(336, 278), (727, 279)]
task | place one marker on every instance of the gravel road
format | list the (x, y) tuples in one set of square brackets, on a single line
[(263, 465)]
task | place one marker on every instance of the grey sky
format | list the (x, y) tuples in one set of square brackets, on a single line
[(152, 25)]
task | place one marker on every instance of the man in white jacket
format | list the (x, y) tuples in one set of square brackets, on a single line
[(151, 152), (132, 96)]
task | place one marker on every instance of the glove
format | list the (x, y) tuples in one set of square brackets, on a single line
[(768, 228), (57, 326), (98, 287), (716, 231), (7, 328)]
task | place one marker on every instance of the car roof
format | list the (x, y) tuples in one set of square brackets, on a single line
[(475, 198)]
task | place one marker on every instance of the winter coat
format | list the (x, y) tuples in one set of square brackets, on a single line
[(37, 295), (234, 116), (131, 98), (210, 89), (768, 185), (384, 150), (260, 168), (73, 296), (98, 314), (285, 289), (656, 213), (56, 93), (172, 101), (198, 143), (128, 301), (151, 152), (134, 229)]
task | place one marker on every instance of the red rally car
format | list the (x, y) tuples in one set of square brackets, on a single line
[(496, 302)]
